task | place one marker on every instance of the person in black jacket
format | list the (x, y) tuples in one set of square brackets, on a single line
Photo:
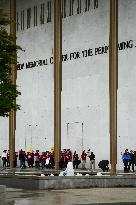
[(92, 161), (132, 160), (22, 159), (104, 165)]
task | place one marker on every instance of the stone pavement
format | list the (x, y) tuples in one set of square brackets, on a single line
[(94, 196), (2, 194), (40, 171), (90, 196), (27, 169)]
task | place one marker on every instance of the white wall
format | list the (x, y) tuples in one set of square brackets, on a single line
[(85, 97)]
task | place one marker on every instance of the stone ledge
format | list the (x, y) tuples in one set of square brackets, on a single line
[(67, 182)]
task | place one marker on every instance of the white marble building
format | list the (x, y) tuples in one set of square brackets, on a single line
[(85, 76)]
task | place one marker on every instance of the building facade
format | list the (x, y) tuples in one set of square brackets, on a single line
[(85, 77)]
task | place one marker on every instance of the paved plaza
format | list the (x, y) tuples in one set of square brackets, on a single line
[(91, 196), (95, 196)]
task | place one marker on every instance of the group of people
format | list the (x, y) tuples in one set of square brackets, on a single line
[(91, 157), (35, 159), (83, 159), (46, 159), (129, 160)]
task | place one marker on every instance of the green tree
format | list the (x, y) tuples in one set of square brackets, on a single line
[(8, 91)]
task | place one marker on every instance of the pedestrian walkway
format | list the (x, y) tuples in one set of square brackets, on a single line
[(47, 172), (95, 196), (37, 172)]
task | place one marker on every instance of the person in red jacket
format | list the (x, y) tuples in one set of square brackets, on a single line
[(83, 157)]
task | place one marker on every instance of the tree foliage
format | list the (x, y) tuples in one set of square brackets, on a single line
[(8, 91)]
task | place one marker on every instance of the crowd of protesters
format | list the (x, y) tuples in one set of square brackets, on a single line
[(46, 159)]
